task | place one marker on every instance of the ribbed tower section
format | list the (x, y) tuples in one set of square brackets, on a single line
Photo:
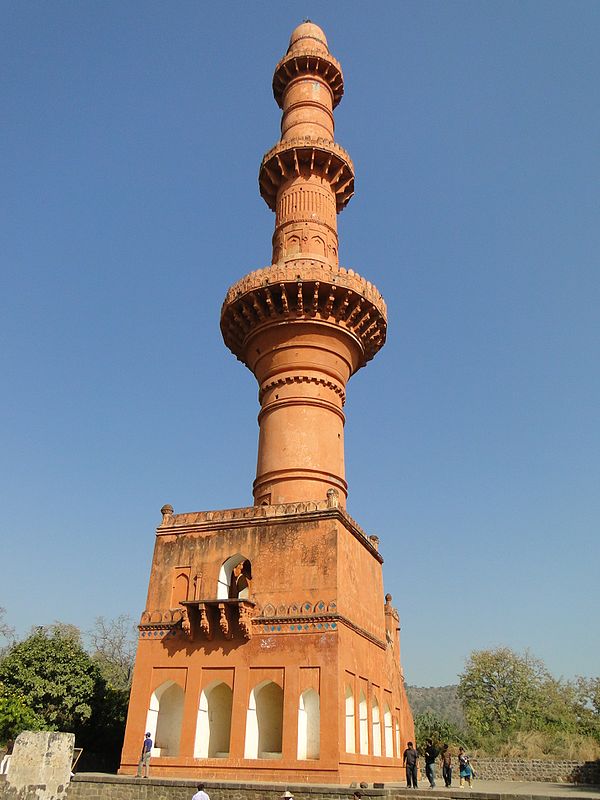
[(304, 325)]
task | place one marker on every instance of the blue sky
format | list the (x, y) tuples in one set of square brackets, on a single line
[(132, 135)]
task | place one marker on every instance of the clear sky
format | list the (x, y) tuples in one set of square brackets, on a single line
[(132, 133)]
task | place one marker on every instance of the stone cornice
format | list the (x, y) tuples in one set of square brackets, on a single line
[(208, 521), (310, 156), (309, 270), (305, 289)]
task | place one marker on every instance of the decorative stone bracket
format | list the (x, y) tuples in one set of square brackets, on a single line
[(205, 617)]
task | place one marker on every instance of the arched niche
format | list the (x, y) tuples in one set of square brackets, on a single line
[(376, 728), (363, 725), (388, 731), (230, 584), (309, 725), (264, 721), (350, 726), (181, 586), (164, 717), (213, 726)]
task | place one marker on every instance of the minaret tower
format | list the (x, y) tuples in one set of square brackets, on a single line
[(268, 649), (304, 325)]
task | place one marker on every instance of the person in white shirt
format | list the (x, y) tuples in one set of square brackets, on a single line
[(200, 794)]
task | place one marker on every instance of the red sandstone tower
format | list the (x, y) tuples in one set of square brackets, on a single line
[(266, 649)]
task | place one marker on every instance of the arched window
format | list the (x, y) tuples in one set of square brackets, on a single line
[(264, 721), (397, 729), (376, 728), (164, 717), (235, 576), (388, 731), (213, 728), (350, 730), (309, 725), (363, 724)]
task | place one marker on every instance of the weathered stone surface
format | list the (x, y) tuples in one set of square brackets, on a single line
[(40, 766)]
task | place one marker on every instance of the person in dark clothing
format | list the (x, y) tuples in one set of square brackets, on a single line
[(144, 762), (410, 759), (447, 765), (430, 756)]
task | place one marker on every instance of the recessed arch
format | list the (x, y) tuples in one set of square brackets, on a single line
[(227, 585), (350, 727), (363, 725), (213, 726), (164, 717), (388, 731), (264, 721), (376, 719), (309, 725), (181, 586)]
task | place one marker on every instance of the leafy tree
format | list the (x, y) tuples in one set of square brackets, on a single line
[(502, 690), (431, 726), (15, 715), (54, 676)]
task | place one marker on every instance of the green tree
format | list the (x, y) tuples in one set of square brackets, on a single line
[(502, 691), (431, 726), (16, 715), (54, 676)]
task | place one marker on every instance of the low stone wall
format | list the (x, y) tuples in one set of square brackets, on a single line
[(107, 787), (505, 769)]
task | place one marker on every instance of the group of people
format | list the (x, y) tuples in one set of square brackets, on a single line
[(410, 760)]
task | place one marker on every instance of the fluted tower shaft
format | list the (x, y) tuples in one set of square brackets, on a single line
[(304, 325)]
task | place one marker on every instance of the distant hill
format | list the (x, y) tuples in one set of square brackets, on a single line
[(440, 700)]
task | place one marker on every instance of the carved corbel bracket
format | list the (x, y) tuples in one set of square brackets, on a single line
[(245, 619), (204, 622), (224, 622), (185, 624)]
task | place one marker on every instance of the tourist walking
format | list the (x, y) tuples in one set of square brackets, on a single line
[(447, 765), (200, 794), (144, 762), (431, 753), (465, 768), (410, 759)]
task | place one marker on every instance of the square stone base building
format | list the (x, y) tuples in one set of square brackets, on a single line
[(268, 650)]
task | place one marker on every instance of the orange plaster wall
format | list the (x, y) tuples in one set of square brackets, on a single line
[(314, 559)]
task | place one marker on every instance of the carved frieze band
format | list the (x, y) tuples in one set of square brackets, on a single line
[(336, 388), (325, 622), (309, 61)]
